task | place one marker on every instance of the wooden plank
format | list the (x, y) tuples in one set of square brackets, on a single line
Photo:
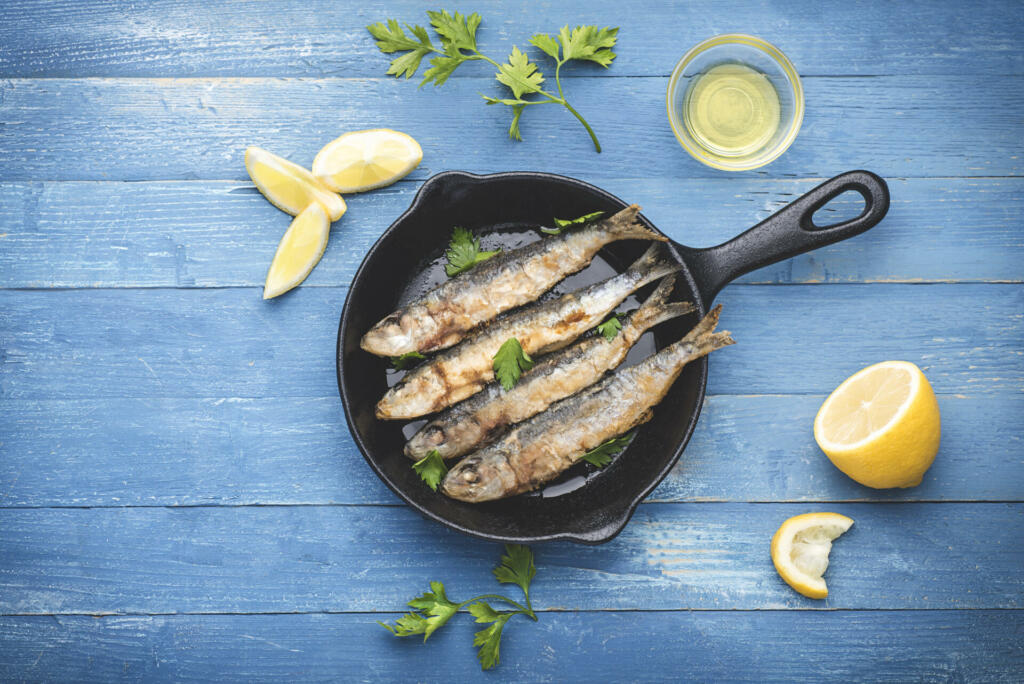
[(170, 129), (788, 646), (373, 558), (216, 234), (800, 339), (322, 38), (174, 452)]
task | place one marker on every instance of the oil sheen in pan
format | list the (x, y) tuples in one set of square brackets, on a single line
[(510, 236)]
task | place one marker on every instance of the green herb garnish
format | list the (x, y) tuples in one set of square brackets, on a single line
[(510, 362), (431, 469), (457, 34), (464, 252), (433, 608), (610, 328), (565, 223), (405, 360), (601, 455)]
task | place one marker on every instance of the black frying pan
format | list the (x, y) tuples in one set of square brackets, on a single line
[(586, 505)]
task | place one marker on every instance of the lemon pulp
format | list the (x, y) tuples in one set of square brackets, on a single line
[(299, 251), (732, 110), (881, 426), (800, 550), (364, 160)]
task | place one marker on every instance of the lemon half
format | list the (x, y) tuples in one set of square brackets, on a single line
[(288, 186), (299, 251), (800, 550), (364, 160), (881, 426)]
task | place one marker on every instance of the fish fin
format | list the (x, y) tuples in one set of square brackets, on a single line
[(702, 340), (652, 265), (656, 308), (625, 225), (706, 325)]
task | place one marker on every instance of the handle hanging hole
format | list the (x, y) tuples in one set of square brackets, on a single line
[(847, 206)]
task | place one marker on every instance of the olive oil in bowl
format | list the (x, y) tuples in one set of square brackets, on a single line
[(732, 110), (735, 102)]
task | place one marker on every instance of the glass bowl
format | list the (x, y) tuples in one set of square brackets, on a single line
[(736, 48)]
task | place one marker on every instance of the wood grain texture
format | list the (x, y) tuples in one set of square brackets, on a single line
[(763, 646), (800, 339), (195, 452), (323, 38), (216, 234), (371, 558), (172, 129)]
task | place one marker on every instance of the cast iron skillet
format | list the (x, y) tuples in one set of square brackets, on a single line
[(407, 259)]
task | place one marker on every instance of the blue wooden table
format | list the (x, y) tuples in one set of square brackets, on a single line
[(180, 497)]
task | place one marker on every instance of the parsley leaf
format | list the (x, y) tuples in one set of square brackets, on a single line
[(516, 567), (464, 252), (405, 360), (510, 362), (520, 74), (610, 328), (601, 455), (489, 641), (391, 38), (589, 43), (565, 223), (437, 606), (431, 469), (457, 33), (407, 625)]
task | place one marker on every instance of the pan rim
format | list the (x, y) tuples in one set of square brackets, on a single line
[(622, 517)]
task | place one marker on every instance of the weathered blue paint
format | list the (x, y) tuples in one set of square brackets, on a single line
[(281, 451), (218, 234), (208, 342), (259, 559), (172, 447), (197, 129), (758, 646), (324, 38)]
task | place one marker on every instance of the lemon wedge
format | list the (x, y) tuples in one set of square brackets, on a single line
[(800, 550), (364, 160), (299, 251), (881, 426), (288, 186)]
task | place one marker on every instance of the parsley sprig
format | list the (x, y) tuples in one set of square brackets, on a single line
[(601, 455), (509, 363), (433, 609), (565, 223), (457, 35), (406, 360), (431, 469), (464, 252), (610, 328)]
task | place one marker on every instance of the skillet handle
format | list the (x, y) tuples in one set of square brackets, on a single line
[(788, 232)]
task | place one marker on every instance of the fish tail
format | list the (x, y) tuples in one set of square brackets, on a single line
[(703, 340), (656, 308), (625, 225), (654, 264)]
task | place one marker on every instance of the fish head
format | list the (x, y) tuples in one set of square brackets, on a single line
[(430, 437), (389, 337), (483, 476)]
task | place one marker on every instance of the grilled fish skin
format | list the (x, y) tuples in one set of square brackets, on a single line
[(539, 449), (442, 317), (480, 419), (462, 371)]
